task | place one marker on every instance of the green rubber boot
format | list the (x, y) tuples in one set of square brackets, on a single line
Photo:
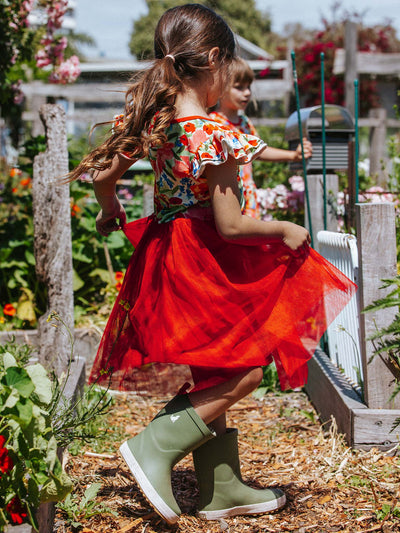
[(222, 491), (173, 433)]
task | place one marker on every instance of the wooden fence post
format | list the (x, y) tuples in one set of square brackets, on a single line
[(377, 146), (376, 241), (52, 238), (350, 72), (316, 196)]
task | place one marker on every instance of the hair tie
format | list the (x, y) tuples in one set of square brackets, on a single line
[(171, 56)]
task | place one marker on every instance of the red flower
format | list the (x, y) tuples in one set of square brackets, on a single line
[(175, 201), (6, 463), (206, 155), (17, 511), (189, 127), (9, 310), (118, 286), (119, 276)]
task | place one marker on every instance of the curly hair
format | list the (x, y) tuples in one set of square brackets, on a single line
[(183, 38)]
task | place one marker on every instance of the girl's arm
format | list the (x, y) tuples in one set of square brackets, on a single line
[(104, 183), (233, 226), (277, 154)]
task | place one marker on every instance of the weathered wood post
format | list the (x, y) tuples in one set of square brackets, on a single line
[(376, 241), (52, 238), (316, 195), (350, 70), (377, 146), (148, 199)]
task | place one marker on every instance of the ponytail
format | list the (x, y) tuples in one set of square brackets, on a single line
[(183, 39), (150, 97)]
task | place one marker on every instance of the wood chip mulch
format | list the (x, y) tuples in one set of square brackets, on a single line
[(329, 487)]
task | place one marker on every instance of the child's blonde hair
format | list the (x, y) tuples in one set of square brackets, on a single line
[(183, 39)]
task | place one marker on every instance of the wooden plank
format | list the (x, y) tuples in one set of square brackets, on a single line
[(381, 64), (374, 427), (332, 395), (316, 195), (376, 242)]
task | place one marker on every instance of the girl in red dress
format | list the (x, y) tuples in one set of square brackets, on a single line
[(206, 286)]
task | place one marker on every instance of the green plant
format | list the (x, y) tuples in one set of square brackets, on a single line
[(269, 383), (34, 473), (387, 340), (36, 419), (75, 510)]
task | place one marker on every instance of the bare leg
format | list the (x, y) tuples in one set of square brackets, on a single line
[(212, 403)]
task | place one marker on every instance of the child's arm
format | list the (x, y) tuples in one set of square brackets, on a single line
[(233, 226), (277, 154), (104, 183)]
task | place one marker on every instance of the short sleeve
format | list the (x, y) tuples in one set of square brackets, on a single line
[(221, 143)]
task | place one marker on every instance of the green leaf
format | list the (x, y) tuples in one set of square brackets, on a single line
[(30, 258), (56, 489), (25, 412), (77, 282), (103, 274), (20, 380), (12, 399), (90, 493), (26, 311), (41, 381), (116, 240), (8, 360)]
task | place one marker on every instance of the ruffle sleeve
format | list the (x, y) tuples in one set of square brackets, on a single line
[(221, 143)]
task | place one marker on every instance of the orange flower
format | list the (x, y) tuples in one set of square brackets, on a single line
[(15, 172), (119, 276), (14, 189), (2, 320), (9, 310), (253, 142), (208, 128), (25, 182), (75, 209), (118, 286)]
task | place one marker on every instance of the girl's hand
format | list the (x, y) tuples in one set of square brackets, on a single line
[(307, 146), (295, 237), (107, 220)]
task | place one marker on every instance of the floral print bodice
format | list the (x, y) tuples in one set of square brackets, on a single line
[(244, 125), (178, 164)]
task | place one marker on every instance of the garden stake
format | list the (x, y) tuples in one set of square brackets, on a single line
[(296, 90), (356, 137), (322, 56)]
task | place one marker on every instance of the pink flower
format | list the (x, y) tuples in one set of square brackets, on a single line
[(297, 183), (67, 71)]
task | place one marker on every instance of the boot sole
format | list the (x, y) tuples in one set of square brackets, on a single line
[(146, 487), (254, 508)]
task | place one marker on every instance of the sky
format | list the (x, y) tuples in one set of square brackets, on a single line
[(110, 23)]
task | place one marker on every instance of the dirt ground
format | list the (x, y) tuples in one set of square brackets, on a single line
[(329, 487)]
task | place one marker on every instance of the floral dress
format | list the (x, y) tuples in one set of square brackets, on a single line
[(191, 298), (244, 125)]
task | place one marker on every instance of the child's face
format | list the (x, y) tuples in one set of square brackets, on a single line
[(237, 96)]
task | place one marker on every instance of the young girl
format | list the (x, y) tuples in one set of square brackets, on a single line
[(230, 112), (206, 285)]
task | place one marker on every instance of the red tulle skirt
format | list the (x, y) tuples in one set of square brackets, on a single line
[(191, 298)]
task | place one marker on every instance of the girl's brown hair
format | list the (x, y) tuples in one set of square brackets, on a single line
[(183, 38), (240, 71)]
